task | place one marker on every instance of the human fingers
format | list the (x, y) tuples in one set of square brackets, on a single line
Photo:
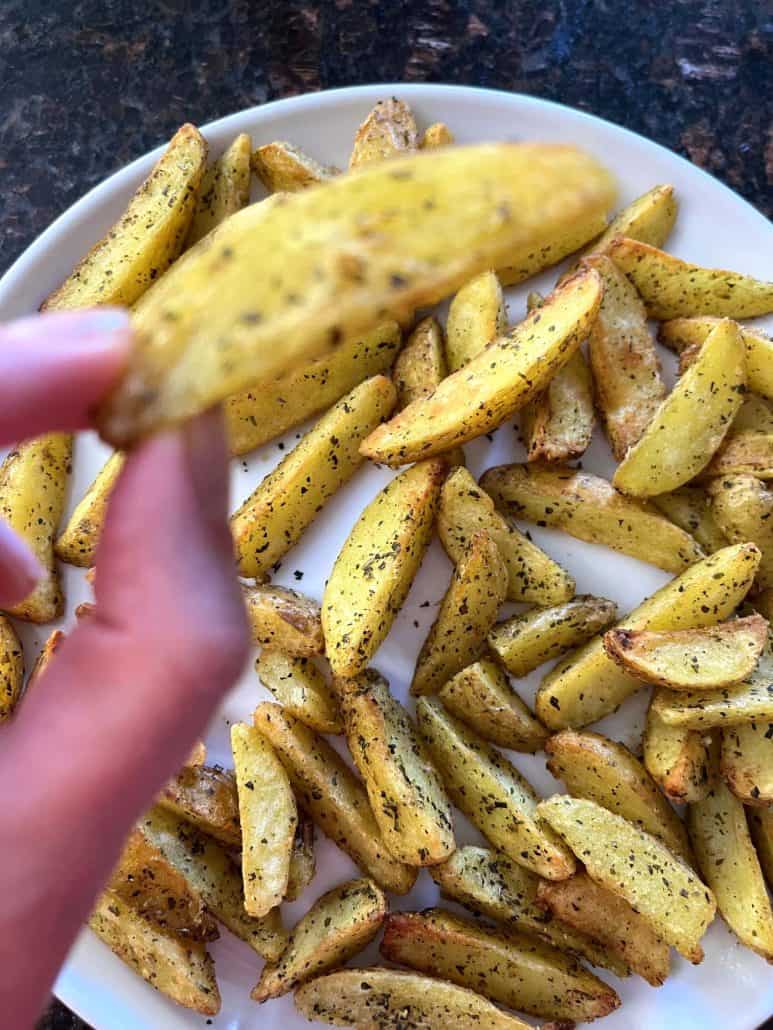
[(19, 568)]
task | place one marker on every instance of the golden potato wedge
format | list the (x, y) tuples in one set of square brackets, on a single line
[(182, 970), (225, 188), (761, 828), (332, 795), (147, 238), (746, 453), (494, 383), (300, 687), (284, 619), (77, 543), (466, 615), (650, 219), (638, 867), (755, 414), (205, 796), (374, 570), (589, 508), (405, 791), (388, 131), (274, 516), (750, 701), (553, 247), (677, 759), (558, 423), (524, 642), (743, 508), (587, 684), (465, 509), (746, 761), (491, 792), (284, 168), (436, 135), (689, 508), (376, 998), (601, 770), (690, 659), (11, 668), (476, 316), (510, 968), (483, 699), (681, 333), (7, 687), (303, 862), (336, 927)]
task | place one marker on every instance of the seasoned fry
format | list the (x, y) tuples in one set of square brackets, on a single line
[(677, 759), (11, 668), (761, 827), (7, 686), (284, 619), (388, 131), (336, 927), (303, 863), (491, 792), (746, 761), (476, 316), (750, 701), (558, 423), (743, 508), (650, 219), (284, 168), (689, 508), (205, 796), (225, 188), (300, 688), (553, 247), (746, 453), (436, 135), (755, 414), (77, 543), (680, 333)]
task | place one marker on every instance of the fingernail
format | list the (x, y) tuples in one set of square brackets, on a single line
[(20, 570), (208, 457)]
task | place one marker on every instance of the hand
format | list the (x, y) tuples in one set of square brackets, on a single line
[(130, 689)]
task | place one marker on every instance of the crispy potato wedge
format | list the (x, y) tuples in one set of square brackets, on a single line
[(650, 219), (587, 684), (77, 543), (689, 508), (746, 761), (677, 759), (467, 613), (554, 246), (681, 333), (374, 570), (268, 816), (730, 866), (182, 970), (743, 508), (206, 797), (476, 316), (337, 926), (406, 792), (388, 131), (465, 509), (494, 383), (761, 828), (690, 659), (436, 135), (691, 423), (524, 642), (750, 701), (594, 910), (589, 508), (333, 796), (746, 453), (300, 687), (483, 699), (284, 168), (7, 686), (148, 237), (381, 998), (491, 792), (601, 770), (284, 619), (303, 862), (510, 968), (274, 516), (11, 668), (558, 423), (638, 867), (225, 188)]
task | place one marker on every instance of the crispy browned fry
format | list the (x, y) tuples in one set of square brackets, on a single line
[(284, 168), (677, 758), (225, 188), (746, 453), (558, 424), (284, 619), (743, 507), (476, 316), (388, 131), (746, 761), (205, 796), (436, 135), (681, 333), (689, 507)]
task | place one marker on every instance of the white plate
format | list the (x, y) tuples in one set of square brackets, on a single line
[(733, 987)]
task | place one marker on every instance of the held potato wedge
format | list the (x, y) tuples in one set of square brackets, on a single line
[(336, 927), (225, 188), (77, 543), (496, 382), (388, 130), (603, 771), (481, 697), (746, 453), (743, 508), (650, 219), (390, 239), (274, 516), (589, 508), (182, 970), (51, 646), (436, 135), (148, 237), (11, 668), (467, 612), (761, 828), (491, 792), (691, 423), (509, 968), (284, 619), (300, 687), (374, 570), (587, 684), (750, 701), (557, 424), (405, 791), (381, 998), (333, 796), (476, 316), (672, 288), (691, 659), (284, 168), (523, 642), (637, 867), (681, 333), (746, 761), (303, 862), (465, 509), (677, 759), (206, 797), (553, 247), (689, 507)]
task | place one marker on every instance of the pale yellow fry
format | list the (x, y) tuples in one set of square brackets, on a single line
[(284, 168), (681, 333), (225, 188)]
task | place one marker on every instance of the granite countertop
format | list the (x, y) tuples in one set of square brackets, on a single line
[(90, 84)]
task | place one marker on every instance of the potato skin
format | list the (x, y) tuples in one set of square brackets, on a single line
[(205, 796), (303, 862), (677, 759), (284, 168), (681, 333), (750, 701), (743, 508), (477, 315), (388, 130), (283, 618), (650, 219), (301, 689), (746, 761), (225, 188)]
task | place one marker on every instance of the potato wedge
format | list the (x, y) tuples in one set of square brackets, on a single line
[(476, 316), (750, 701), (300, 687), (51, 646), (11, 668), (374, 570), (509, 968), (587, 685), (601, 770), (284, 168), (182, 970), (337, 926), (691, 659), (467, 613), (650, 219), (491, 792), (755, 414), (436, 135), (553, 247), (205, 796), (680, 333), (729, 864), (496, 382), (382, 998), (303, 862), (594, 910), (761, 828), (558, 423), (225, 188), (284, 619), (638, 867), (746, 453), (388, 131), (481, 697), (524, 642), (333, 796), (272, 519), (465, 509), (689, 507), (148, 237), (77, 543), (746, 761), (743, 509), (589, 508), (677, 759)]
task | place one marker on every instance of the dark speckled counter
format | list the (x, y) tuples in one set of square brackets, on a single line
[(87, 86)]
